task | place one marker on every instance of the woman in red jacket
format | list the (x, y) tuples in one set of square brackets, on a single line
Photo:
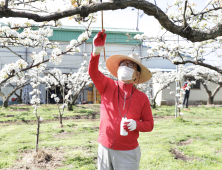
[(120, 101)]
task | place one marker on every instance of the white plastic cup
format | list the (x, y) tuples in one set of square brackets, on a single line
[(123, 132)]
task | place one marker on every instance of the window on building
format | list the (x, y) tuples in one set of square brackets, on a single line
[(194, 86)]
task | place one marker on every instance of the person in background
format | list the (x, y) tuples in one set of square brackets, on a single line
[(186, 87), (120, 100)]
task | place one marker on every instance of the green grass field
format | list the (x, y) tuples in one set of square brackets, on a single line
[(192, 142)]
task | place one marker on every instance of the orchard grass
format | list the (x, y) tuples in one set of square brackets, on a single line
[(197, 136), (48, 112)]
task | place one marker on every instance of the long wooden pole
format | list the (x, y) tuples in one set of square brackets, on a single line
[(102, 30)]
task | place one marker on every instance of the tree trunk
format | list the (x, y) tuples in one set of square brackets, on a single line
[(5, 99), (5, 102), (60, 120), (72, 103), (70, 107), (154, 104), (210, 100), (37, 134), (20, 97)]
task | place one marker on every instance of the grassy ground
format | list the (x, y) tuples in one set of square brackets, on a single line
[(194, 139), (48, 112)]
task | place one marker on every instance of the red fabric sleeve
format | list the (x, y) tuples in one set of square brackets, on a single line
[(97, 77), (146, 123), (185, 85)]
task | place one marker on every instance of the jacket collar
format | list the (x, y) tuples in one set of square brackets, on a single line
[(124, 86)]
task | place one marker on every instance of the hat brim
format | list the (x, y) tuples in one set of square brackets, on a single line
[(112, 64)]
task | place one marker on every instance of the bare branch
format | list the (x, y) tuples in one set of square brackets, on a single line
[(199, 63), (184, 14), (216, 90), (205, 86), (12, 51), (21, 2), (205, 12), (2, 95), (6, 4)]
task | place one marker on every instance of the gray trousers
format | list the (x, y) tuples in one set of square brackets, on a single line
[(109, 159)]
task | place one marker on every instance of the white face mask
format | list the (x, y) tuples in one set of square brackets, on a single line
[(125, 73)]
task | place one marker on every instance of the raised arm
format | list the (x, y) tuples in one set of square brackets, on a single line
[(97, 77)]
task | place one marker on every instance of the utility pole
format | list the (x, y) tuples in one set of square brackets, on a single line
[(176, 87), (137, 27)]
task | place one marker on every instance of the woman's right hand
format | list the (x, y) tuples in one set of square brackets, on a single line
[(99, 42)]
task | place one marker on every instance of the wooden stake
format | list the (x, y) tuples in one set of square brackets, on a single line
[(102, 30)]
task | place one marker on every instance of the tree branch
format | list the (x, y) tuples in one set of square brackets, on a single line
[(27, 68), (188, 61), (205, 12), (13, 91), (205, 86), (3, 96), (12, 51), (148, 8), (199, 63), (6, 4), (216, 90), (184, 14)]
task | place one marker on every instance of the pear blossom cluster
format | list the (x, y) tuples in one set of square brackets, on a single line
[(56, 56), (72, 48), (71, 85), (35, 100), (78, 80), (13, 69), (180, 53), (198, 22), (27, 38), (208, 75)]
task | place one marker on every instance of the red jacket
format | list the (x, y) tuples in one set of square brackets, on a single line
[(110, 118)]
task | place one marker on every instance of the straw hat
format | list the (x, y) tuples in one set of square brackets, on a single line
[(113, 62)]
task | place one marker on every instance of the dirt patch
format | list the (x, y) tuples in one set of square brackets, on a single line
[(179, 155), (23, 104), (89, 117), (21, 109), (45, 159), (186, 142), (95, 128), (63, 135), (163, 117), (9, 115)]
